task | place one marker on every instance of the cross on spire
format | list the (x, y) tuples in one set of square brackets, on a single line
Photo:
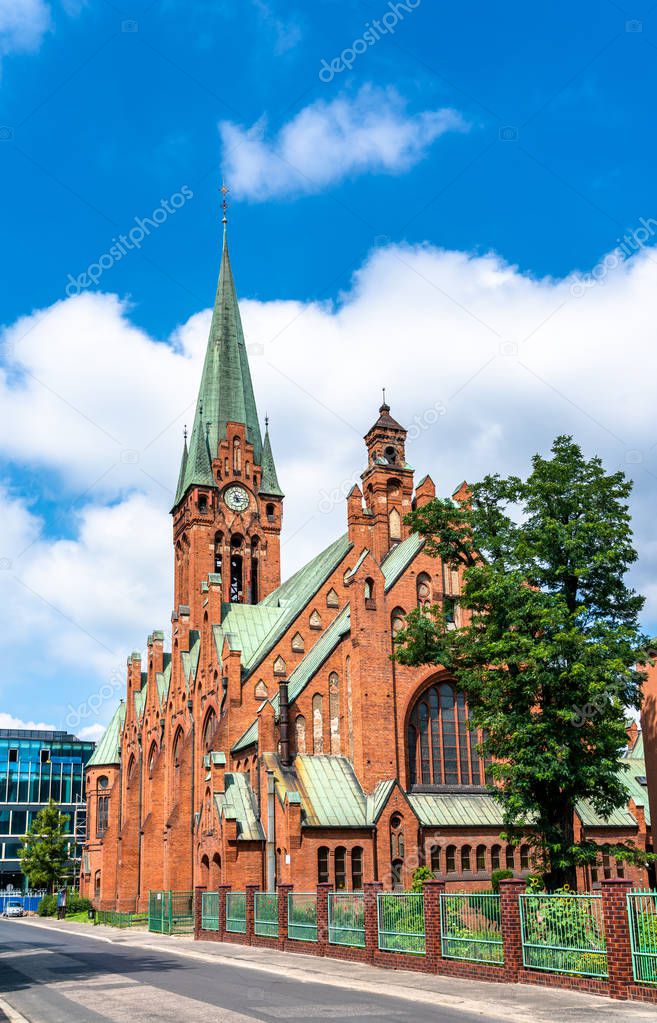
[(224, 202)]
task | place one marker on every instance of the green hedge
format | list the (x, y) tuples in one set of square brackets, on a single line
[(74, 904)]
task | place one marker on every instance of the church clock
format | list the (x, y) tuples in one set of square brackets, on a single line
[(236, 499)]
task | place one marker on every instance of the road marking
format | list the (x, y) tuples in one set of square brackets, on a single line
[(26, 952), (13, 1016)]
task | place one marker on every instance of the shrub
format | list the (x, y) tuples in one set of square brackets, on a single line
[(421, 875), (497, 876), (75, 904), (47, 906)]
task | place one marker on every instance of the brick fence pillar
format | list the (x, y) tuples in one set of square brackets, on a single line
[(617, 930), (371, 890), (283, 890), (223, 889), (323, 890), (432, 891), (198, 909), (251, 889), (510, 890)]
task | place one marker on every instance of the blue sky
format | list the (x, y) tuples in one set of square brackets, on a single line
[(395, 222)]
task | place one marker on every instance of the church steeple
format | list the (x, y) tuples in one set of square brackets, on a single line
[(226, 391), (269, 485)]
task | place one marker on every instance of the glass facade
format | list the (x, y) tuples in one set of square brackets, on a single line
[(36, 766)]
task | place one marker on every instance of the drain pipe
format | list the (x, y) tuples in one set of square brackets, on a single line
[(284, 723), (271, 832)]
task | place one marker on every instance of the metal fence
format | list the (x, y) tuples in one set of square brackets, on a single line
[(471, 927), (401, 922), (236, 912), (265, 914), (346, 919), (210, 911), (110, 918), (564, 933), (29, 900), (642, 913), (171, 912), (302, 916)]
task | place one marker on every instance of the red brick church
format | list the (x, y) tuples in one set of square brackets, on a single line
[(276, 741)]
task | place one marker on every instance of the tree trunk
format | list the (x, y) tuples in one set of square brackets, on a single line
[(559, 875)]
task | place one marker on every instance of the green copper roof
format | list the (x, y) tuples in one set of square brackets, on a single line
[(226, 391), (247, 739), (238, 803), (245, 626), (331, 796), (399, 558), (269, 484), (462, 810), (109, 744)]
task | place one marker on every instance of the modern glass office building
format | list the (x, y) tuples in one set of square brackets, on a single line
[(35, 767)]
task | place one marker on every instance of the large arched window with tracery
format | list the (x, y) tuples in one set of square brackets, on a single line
[(441, 748)]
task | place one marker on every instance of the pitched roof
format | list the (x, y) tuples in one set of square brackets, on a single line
[(327, 787), (238, 803), (399, 558), (109, 744), (226, 391), (446, 809)]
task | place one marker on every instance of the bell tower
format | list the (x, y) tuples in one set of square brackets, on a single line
[(387, 482), (228, 509)]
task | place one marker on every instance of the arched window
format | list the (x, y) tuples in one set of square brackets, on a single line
[(495, 857), (318, 723), (255, 580), (397, 875), (450, 859), (356, 868), (97, 884), (481, 858), (236, 595), (442, 750), (334, 711), (397, 620), (209, 729), (247, 469), (435, 859), (465, 858), (370, 602), (131, 767), (300, 732), (102, 815), (176, 764), (332, 599), (215, 872), (394, 525), (423, 587), (218, 551), (322, 865), (152, 754), (390, 454), (510, 858), (298, 644), (397, 843), (270, 512), (524, 857), (237, 455), (340, 868)]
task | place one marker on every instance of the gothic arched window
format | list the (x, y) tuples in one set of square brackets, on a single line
[(397, 621), (237, 455), (394, 525), (334, 711), (442, 750), (236, 594), (300, 732), (209, 729), (255, 587), (318, 723), (423, 587)]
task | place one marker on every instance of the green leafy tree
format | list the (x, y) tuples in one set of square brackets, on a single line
[(44, 852), (549, 640)]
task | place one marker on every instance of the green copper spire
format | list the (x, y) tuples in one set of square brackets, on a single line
[(226, 392), (269, 484), (183, 468)]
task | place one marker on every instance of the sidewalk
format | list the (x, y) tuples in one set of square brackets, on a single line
[(516, 1003)]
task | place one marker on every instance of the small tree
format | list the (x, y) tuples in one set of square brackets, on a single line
[(549, 643), (44, 852)]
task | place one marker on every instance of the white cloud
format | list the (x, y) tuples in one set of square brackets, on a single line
[(9, 721), (23, 24), (485, 366), (328, 141), (92, 732)]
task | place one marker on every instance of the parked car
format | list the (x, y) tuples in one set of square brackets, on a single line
[(13, 907)]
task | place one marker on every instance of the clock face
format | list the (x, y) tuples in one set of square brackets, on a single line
[(236, 498)]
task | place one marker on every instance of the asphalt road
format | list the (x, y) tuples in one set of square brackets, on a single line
[(65, 978)]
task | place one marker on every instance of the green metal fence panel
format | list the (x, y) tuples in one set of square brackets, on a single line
[(401, 922), (302, 916), (265, 914), (210, 911), (110, 918), (346, 919), (171, 912), (564, 933), (471, 927), (642, 913), (236, 912)]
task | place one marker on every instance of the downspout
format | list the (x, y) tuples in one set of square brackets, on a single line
[(139, 812), (271, 832), (284, 723)]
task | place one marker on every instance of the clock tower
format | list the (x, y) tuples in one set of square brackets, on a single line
[(228, 508)]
